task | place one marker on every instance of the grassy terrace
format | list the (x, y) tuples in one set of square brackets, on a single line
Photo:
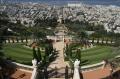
[(99, 53), (19, 53)]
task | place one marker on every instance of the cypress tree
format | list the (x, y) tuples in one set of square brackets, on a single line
[(39, 54), (66, 73), (1, 49), (103, 41), (70, 52), (67, 50), (93, 40), (47, 51), (111, 41), (21, 39), (26, 40), (98, 40), (107, 41), (34, 54), (78, 54), (50, 48), (13, 40), (46, 57), (17, 39)]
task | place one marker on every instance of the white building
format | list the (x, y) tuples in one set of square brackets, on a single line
[(74, 4)]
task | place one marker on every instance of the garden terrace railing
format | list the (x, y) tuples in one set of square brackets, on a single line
[(66, 72), (97, 41), (17, 40), (102, 41), (26, 40), (92, 67), (22, 66), (45, 73)]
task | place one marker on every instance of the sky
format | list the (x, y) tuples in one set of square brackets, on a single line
[(97, 2)]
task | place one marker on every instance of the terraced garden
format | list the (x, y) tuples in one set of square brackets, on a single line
[(21, 54), (18, 53), (98, 54)]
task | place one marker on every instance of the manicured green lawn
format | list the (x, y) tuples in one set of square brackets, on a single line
[(98, 54), (19, 53)]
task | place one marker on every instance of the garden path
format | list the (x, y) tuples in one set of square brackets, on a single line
[(59, 62)]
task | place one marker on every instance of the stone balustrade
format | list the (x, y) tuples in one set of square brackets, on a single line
[(92, 67), (22, 66)]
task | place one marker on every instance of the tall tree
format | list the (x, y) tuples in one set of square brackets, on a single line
[(35, 54), (39, 54), (7, 67), (78, 54), (46, 51), (117, 42), (50, 48)]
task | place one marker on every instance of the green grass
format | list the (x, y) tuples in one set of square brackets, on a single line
[(98, 54), (19, 53)]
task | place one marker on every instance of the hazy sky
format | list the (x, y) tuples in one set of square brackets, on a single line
[(105, 2)]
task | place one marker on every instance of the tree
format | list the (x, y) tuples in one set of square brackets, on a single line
[(117, 42), (2, 33), (50, 48), (34, 54), (83, 35), (39, 54), (78, 54), (47, 51), (46, 57), (7, 66), (67, 50), (1, 49), (84, 38)]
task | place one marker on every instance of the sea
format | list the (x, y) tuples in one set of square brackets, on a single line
[(62, 2)]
